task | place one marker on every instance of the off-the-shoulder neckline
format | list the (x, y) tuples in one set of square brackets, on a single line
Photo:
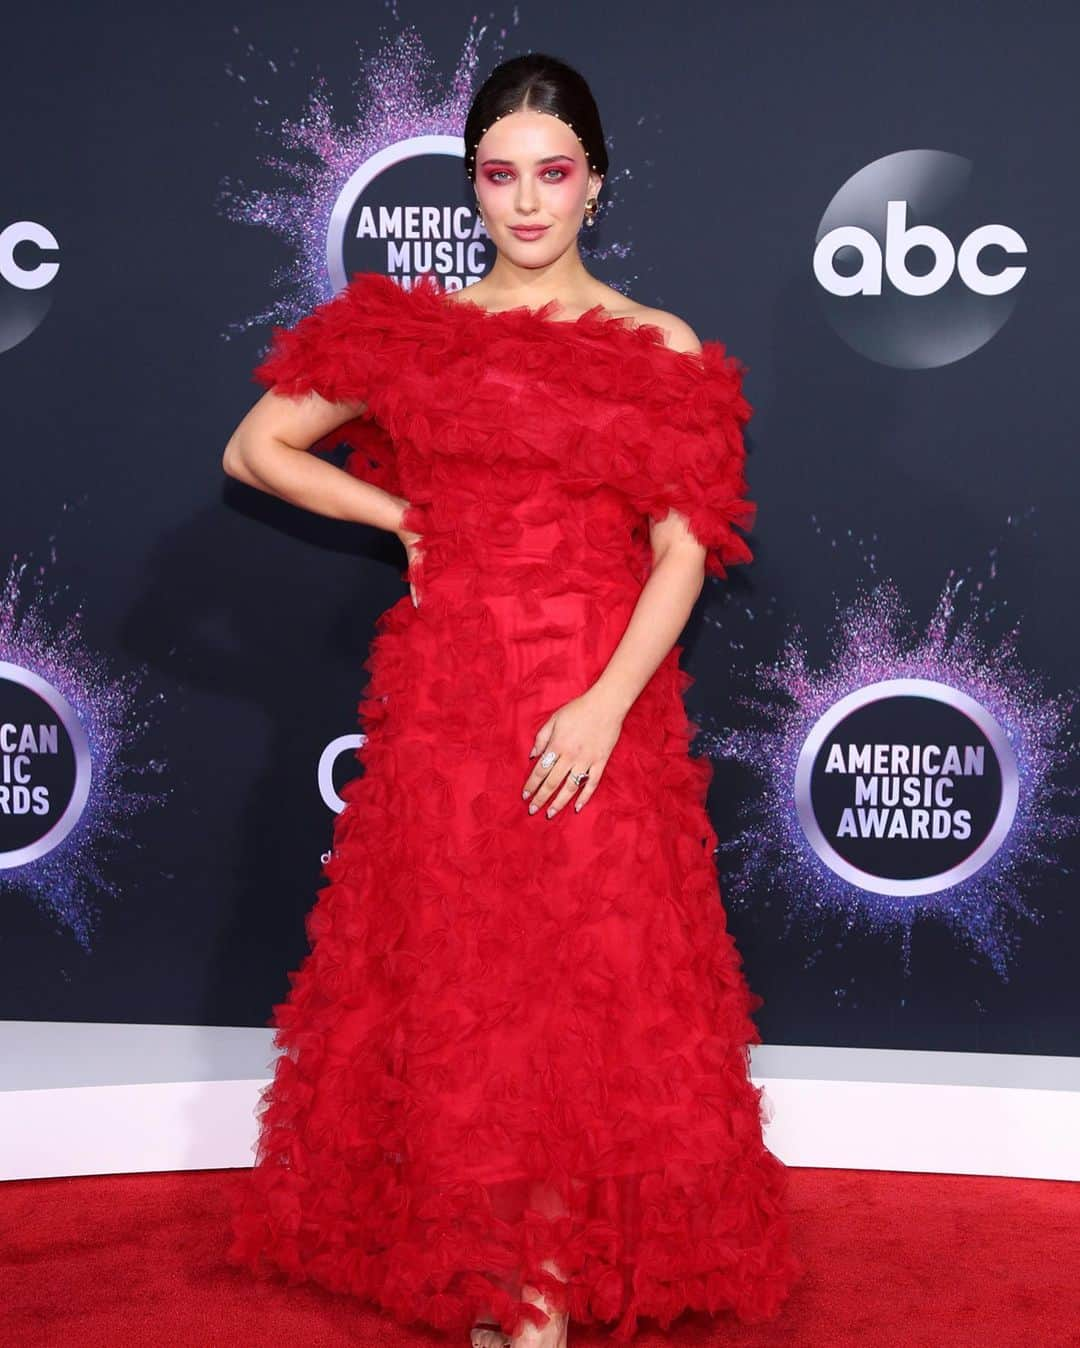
[(541, 312), (428, 284)]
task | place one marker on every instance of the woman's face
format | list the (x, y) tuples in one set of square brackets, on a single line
[(531, 170)]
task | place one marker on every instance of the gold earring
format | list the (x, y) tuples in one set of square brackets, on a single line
[(590, 210)]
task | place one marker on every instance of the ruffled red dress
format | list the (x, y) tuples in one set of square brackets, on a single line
[(517, 1039)]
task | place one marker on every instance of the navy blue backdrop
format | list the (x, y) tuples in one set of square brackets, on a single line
[(209, 639)]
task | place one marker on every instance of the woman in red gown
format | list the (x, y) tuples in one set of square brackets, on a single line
[(513, 1084)]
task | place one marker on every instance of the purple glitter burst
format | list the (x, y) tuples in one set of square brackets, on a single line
[(392, 100), (65, 881), (874, 638)]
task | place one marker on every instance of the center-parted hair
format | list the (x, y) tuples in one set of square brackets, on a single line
[(540, 83)]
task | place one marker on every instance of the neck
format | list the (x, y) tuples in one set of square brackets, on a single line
[(510, 284)]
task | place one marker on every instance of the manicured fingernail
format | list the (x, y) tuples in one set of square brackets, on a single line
[(533, 807), (551, 812), (525, 795)]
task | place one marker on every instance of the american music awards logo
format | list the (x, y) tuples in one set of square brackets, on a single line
[(906, 786), (45, 766), (914, 773), (400, 212), (72, 777)]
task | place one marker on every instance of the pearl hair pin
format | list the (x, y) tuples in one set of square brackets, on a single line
[(471, 157)]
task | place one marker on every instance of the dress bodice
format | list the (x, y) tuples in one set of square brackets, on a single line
[(527, 445)]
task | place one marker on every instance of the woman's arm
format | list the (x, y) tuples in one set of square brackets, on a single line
[(269, 451), (583, 732), (672, 589), (665, 603)]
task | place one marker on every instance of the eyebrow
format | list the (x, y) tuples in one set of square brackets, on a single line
[(549, 159)]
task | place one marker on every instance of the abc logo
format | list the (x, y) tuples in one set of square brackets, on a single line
[(26, 273), (13, 270), (906, 276), (900, 239)]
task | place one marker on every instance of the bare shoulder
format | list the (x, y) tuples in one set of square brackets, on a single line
[(680, 335)]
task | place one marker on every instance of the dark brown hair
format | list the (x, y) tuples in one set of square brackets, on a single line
[(541, 83)]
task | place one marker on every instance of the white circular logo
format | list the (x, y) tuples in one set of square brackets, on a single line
[(906, 787), (44, 766), (910, 273), (394, 215), (26, 274)]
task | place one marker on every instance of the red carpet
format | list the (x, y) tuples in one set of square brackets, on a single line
[(904, 1260)]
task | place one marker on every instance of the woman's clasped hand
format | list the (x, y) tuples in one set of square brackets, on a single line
[(576, 739)]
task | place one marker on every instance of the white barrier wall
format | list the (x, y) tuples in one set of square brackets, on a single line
[(90, 1099)]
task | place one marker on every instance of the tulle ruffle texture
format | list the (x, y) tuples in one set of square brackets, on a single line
[(518, 1042)]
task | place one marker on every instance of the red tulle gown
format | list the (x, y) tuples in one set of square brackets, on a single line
[(518, 1039)]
